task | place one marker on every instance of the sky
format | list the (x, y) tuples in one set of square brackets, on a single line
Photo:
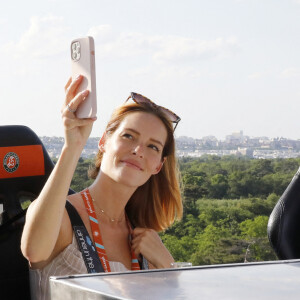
[(221, 65)]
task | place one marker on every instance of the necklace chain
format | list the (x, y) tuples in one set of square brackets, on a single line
[(110, 218)]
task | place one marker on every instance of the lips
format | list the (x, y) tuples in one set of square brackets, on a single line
[(132, 164)]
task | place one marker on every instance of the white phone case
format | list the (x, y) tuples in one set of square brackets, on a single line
[(83, 63)]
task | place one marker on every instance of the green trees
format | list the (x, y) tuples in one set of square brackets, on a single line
[(218, 186), (232, 177), (80, 179), (255, 232), (232, 199), (224, 231)]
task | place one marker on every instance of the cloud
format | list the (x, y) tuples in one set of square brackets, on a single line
[(179, 72), (256, 75), (103, 34), (46, 36), (180, 49), (141, 72), (286, 73), (173, 72), (160, 48), (290, 72), (112, 44), (3, 21)]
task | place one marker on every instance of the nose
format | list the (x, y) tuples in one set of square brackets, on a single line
[(138, 150)]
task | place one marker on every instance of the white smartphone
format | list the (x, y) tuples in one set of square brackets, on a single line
[(83, 63)]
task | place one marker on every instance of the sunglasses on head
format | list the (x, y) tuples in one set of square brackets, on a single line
[(140, 99)]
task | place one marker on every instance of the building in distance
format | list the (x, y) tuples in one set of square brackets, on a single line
[(234, 144)]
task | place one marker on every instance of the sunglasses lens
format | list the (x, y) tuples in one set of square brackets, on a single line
[(141, 99), (169, 114)]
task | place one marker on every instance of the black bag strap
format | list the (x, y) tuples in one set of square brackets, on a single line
[(85, 243), (144, 264)]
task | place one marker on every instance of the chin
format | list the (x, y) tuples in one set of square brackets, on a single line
[(131, 181)]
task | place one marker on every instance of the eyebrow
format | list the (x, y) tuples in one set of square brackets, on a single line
[(136, 132)]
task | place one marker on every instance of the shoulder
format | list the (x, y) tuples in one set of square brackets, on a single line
[(65, 236), (77, 202)]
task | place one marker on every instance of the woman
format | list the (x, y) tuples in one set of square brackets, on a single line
[(135, 186)]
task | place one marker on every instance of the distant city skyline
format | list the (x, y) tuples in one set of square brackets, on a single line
[(235, 144), (201, 137), (220, 65)]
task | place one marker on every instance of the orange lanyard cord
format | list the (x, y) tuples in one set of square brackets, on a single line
[(88, 202)]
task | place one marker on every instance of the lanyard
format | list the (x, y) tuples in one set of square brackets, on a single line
[(87, 199), (85, 244)]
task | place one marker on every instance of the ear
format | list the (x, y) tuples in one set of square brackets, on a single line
[(102, 142), (158, 168)]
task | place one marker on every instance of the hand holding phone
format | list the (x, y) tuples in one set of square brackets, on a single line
[(83, 63)]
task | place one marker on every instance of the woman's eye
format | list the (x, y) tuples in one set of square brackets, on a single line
[(128, 136), (154, 148)]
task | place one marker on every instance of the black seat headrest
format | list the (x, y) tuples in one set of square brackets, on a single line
[(284, 222), (25, 167)]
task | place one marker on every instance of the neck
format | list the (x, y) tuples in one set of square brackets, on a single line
[(110, 196)]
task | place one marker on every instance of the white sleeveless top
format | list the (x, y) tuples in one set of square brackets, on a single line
[(68, 262)]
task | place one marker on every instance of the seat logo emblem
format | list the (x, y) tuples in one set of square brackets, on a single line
[(11, 162)]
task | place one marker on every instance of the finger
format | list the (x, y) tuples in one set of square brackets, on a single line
[(71, 90), (143, 233), (137, 231), (79, 98), (136, 240), (140, 246), (137, 252), (68, 84), (140, 243), (135, 248)]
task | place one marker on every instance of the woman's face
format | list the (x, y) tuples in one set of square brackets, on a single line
[(134, 151)]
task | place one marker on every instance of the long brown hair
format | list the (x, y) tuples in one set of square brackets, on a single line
[(157, 203)]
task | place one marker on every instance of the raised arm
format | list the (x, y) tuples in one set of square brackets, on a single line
[(45, 216)]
